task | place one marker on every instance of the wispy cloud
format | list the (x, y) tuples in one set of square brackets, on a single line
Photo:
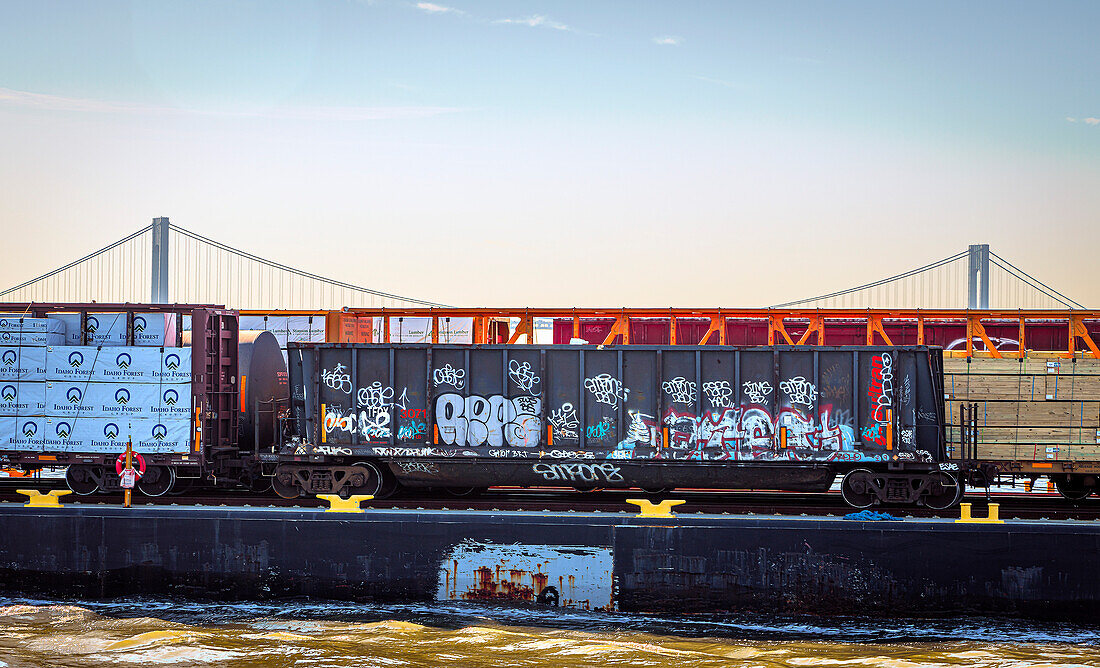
[(537, 21), (668, 40), (433, 8), (41, 101), (1093, 121), (719, 82)]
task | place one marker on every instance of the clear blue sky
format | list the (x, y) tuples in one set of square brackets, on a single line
[(560, 153)]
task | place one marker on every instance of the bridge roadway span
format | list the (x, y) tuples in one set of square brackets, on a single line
[(686, 564)]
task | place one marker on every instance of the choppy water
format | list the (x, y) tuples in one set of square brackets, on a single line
[(147, 632)]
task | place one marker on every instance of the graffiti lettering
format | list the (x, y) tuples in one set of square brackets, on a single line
[(680, 389), (337, 379), (331, 450), (427, 468), (493, 420), (564, 421), (421, 452), (578, 472), (799, 390), (448, 375), (757, 390), (374, 417), (509, 454), (569, 454), (600, 430), (750, 433), (880, 392), (523, 376), (719, 393), (606, 389), (411, 430)]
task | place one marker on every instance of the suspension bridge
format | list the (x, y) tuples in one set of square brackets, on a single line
[(163, 262)]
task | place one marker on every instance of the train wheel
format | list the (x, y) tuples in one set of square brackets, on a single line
[(284, 484), (157, 481), (81, 480), (858, 488), (1073, 489), (373, 483), (944, 491)]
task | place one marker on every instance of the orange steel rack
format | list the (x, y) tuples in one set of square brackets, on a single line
[(789, 326)]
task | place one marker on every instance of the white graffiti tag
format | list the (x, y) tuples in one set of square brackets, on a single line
[(522, 375), (493, 420), (719, 393), (680, 389), (337, 379), (757, 390), (799, 390), (606, 389), (331, 450), (374, 416), (578, 472), (448, 375), (564, 421)]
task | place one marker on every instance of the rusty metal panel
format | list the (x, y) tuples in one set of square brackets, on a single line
[(567, 576)]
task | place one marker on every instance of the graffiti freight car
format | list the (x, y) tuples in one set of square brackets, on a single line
[(370, 417)]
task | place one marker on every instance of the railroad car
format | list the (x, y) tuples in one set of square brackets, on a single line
[(198, 400), (1026, 416), (368, 417)]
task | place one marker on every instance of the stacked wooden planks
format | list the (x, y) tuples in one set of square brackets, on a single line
[(1030, 409)]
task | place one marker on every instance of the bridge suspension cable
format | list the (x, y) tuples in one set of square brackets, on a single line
[(975, 278), (107, 275), (1033, 282), (893, 279), (282, 286)]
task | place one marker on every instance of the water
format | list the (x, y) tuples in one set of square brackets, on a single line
[(161, 632)]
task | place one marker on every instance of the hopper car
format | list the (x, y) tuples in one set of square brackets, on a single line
[(370, 417)]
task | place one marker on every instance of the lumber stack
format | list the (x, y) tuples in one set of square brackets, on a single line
[(1030, 409)]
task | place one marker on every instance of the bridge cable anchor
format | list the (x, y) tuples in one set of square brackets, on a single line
[(39, 500), (994, 515), (337, 504), (649, 509)]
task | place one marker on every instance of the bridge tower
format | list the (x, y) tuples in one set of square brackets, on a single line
[(159, 291), (978, 283)]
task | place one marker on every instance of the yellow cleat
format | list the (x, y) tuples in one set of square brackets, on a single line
[(348, 505), (650, 509), (40, 500)]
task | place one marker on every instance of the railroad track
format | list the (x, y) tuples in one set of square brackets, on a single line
[(561, 501)]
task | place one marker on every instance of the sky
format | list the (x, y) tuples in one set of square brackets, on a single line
[(539, 153)]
